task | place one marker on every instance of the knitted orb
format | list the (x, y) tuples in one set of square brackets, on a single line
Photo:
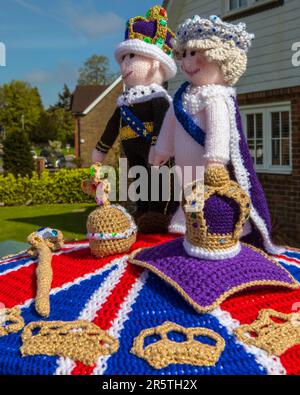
[(111, 230)]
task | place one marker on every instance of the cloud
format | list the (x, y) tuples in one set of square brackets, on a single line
[(38, 77), (92, 23), (65, 72), (85, 20), (37, 10)]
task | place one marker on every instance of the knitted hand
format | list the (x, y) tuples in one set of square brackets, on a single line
[(98, 156), (156, 158)]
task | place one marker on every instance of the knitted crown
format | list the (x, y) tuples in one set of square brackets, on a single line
[(198, 29), (273, 331), (150, 36), (215, 216)]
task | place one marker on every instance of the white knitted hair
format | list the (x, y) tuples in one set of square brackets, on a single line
[(232, 60), (149, 50)]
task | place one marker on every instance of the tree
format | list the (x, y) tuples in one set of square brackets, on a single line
[(17, 158), (20, 106), (54, 124), (64, 99), (95, 71)]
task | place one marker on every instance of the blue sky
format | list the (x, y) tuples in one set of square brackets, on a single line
[(48, 41)]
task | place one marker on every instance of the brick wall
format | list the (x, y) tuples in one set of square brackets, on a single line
[(93, 124), (283, 191)]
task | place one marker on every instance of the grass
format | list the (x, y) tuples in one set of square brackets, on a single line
[(18, 222)]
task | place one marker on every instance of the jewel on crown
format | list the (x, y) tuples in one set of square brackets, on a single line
[(198, 28)]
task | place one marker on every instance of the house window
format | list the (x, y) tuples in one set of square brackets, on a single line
[(239, 7), (236, 4), (268, 131)]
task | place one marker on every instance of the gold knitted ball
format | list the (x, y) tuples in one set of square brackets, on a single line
[(108, 220)]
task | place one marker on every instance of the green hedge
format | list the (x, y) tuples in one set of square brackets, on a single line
[(63, 186)]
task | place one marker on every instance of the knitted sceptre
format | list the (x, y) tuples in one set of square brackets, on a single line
[(43, 242)]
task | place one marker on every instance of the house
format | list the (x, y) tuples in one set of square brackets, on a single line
[(269, 95), (92, 106)]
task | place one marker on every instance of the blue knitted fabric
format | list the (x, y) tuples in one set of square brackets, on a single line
[(125, 300)]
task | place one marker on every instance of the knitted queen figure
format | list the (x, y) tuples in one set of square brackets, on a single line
[(146, 62), (203, 126)]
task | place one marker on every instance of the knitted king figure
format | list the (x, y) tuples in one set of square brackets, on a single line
[(203, 126), (146, 62)]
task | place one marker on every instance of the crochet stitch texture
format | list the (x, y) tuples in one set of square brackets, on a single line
[(124, 300)]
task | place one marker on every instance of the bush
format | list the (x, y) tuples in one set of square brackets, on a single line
[(63, 186), (17, 158)]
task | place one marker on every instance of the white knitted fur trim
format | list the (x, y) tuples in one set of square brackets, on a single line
[(142, 94), (243, 179), (177, 228), (214, 255), (196, 98), (153, 51)]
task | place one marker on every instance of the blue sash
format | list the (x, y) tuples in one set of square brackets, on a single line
[(135, 124), (185, 119)]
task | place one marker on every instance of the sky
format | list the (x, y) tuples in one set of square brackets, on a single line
[(47, 41)]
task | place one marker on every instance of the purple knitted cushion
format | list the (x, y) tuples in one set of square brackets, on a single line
[(206, 283)]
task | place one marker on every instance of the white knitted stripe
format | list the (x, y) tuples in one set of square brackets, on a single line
[(15, 269), (78, 280), (84, 244), (178, 224), (23, 254), (150, 50), (12, 258), (214, 255), (93, 305), (272, 364), (34, 260), (288, 263), (123, 315), (243, 180)]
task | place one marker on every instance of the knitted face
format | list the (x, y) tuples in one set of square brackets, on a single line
[(199, 70), (141, 70)]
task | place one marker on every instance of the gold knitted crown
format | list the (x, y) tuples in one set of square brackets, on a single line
[(11, 321), (272, 331), (191, 351), (79, 340), (216, 182), (139, 28)]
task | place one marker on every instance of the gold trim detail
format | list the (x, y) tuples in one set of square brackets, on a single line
[(217, 182), (127, 133), (274, 336), (165, 352), (225, 295), (11, 321), (102, 147), (79, 340)]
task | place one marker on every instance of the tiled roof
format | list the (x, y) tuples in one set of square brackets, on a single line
[(85, 95)]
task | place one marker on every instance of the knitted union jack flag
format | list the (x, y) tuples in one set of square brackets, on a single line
[(124, 299)]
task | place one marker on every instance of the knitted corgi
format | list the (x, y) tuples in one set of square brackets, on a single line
[(203, 126), (146, 61)]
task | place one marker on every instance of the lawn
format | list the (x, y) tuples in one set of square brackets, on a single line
[(16, 223)]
